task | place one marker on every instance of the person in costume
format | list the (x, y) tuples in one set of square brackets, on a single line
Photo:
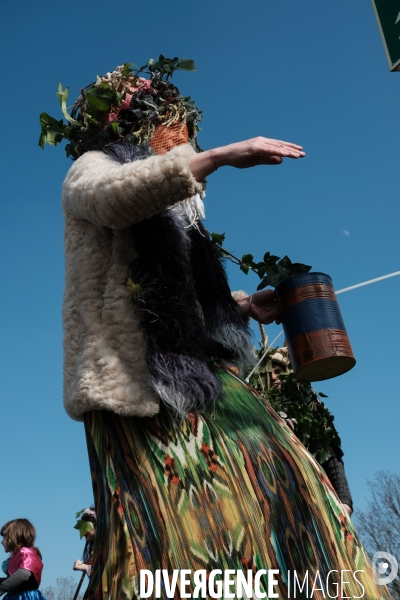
[(191, 469), (85, 565), (334, 465), (24, 568)]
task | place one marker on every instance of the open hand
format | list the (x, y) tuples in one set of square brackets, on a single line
[(257, 151), (243, 155)]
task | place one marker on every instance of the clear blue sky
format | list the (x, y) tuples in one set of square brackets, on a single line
[(313, 73)]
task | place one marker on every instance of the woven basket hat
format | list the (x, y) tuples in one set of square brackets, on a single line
[(167, 134), (166, 137)]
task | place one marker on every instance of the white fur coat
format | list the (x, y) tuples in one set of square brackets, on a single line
[(104, 349)]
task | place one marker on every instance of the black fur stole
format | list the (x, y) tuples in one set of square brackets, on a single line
[(189, 317)]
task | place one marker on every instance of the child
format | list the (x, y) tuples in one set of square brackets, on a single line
[(24, 567)]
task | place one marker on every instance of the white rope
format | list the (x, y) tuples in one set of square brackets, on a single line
[(353, 287), (263, 356)]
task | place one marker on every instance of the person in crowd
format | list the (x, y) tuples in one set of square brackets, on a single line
[(23, 569), (334, 466), (85, 565)]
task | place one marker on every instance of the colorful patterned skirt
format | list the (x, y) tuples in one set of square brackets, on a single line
[(230, 489)]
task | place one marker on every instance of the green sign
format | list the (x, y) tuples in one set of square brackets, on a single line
[(387, 14)]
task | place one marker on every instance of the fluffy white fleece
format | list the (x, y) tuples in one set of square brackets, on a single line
[(104, 350)]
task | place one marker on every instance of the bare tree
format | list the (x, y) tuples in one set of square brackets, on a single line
[(63, 590), (379, 524), (50, 593)]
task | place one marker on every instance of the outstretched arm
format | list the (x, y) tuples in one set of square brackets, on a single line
[(109, 194), (243, 155)]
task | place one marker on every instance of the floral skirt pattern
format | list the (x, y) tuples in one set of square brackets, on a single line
[(229, 489)]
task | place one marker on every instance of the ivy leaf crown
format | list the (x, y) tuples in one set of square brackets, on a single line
[(122, 105)]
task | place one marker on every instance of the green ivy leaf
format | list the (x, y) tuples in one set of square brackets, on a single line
[(263, 283), (218, 238), (127, 69), (62, 96), (83, 527), (285, 262), (103, 92), (322, 395), (260, 269), (246, 263), (322, 456), (96, 105), (49, 138), (275, 280), (166, 66), (186, 64), (72, 150), (52, 131), (270, 259), (298, 268)]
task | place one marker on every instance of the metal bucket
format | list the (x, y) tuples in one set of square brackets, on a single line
[(315, 333)]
